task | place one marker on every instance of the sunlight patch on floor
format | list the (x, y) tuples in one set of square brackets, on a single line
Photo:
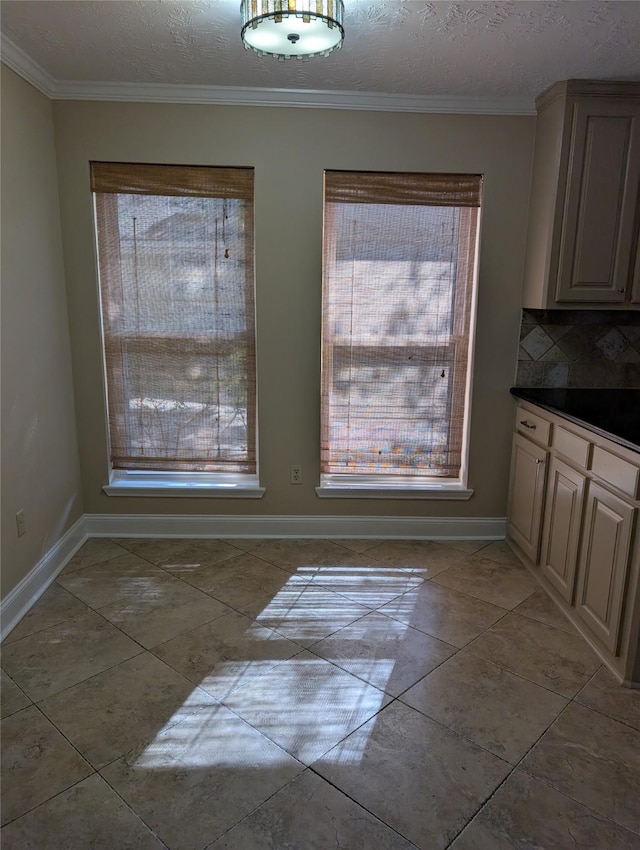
[(304, 704), (214, 737)]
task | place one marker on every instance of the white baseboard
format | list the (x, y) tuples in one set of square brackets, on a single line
[(33, 585), (374, 527), (25, 594)]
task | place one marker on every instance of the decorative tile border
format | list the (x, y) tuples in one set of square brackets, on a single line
[(579, 348)]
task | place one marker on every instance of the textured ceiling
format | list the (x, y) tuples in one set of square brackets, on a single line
[(418, 48)]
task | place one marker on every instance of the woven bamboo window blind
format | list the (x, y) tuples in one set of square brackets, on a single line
[(175, 248), (399, 261)]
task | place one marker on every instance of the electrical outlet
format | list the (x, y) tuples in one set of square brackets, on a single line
[(296, 473), (20, 524)]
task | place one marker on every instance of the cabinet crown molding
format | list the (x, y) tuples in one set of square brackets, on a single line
[(587, 88)]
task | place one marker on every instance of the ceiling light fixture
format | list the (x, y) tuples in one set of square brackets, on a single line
[(292, 29)]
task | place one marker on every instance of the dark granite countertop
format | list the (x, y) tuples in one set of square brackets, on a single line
[(612, 413)]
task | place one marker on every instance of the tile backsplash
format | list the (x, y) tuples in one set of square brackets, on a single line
[(579, 348)]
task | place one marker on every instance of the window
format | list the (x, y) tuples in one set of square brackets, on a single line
[(175, 249), (399, 270)]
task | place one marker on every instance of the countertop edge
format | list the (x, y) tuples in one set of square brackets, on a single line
[(522, 393)]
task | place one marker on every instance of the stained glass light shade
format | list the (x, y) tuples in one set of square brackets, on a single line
[(292, 29)]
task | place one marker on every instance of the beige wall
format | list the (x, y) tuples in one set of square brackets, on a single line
[(289, 149), (40, 465)]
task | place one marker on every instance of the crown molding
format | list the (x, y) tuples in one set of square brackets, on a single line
[(588, 88), (303, 98), (16, 59), (22, 64)]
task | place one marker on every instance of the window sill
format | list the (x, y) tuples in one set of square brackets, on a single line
[(334, 490), (178, 485)]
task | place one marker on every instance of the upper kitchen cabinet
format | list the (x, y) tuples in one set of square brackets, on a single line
[(584, 215)]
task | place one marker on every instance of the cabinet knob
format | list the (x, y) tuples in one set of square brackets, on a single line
[(528, 425), (621, 290), (539, 460)]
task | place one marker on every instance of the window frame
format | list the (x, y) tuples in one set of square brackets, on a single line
[(359, 485), (159, 482)]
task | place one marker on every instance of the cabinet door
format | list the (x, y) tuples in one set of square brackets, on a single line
[(603, 567), (561, 529), (526, 493), (600, 201)]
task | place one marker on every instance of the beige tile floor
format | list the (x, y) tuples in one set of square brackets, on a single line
[(309, 695)]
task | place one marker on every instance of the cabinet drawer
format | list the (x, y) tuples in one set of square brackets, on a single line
[(533, 427), (570, 446), (614, 470)]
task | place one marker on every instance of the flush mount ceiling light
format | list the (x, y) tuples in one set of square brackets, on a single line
[(290, 29)]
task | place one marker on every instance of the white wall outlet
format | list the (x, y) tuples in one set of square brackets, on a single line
[(20, 523), (296, 473)]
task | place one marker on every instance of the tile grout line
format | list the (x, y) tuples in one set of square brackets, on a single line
[(437, 723), (259, 806), (542, 780), (514, 767), (393, 699), (129, 807), (92, 675), (109, 670), (115, 626), (76, 750), (595, 710), (271, 563), (564, 793), (143, 649), (360, 805), (23, 692), (150, 650), (146, 742), (521, 675)]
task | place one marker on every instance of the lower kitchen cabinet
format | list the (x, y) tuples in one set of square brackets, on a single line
[(604, 565), (561, 530), (526, 493), (574, 500)]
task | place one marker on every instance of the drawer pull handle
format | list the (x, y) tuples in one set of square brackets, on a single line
[(528, 425)]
